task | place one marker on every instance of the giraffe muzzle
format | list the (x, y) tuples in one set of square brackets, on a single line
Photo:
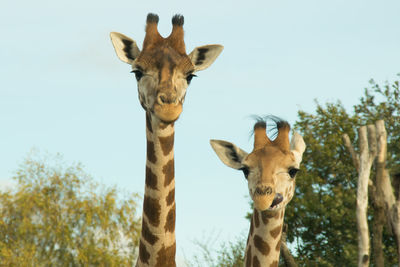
[(263, 196), (167, 98), (167, 107), (263, 190)]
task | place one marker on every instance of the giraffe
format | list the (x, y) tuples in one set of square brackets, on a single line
[(270, 170), (163, 71)]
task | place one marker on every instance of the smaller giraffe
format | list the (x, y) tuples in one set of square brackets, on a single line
[(270, 170)]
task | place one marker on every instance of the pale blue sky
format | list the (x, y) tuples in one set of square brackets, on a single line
[(62, 88)]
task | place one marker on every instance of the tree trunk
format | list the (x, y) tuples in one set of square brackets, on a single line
[(395, 222), (377, 228), (363, 163), (396, 211), (386, 201), (384, 187), (362, 199)]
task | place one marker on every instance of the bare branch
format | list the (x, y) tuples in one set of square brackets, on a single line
[(354, 156), (372, 141), (382, 141), (384, 186)]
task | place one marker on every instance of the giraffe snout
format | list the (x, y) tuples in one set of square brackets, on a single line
[(167, 106), (263, 190), (167, 98), (263, 195)]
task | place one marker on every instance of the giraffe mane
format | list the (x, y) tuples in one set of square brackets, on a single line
[(273, 129)]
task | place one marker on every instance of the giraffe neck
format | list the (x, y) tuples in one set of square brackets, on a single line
[(264, 240), (157, 242)]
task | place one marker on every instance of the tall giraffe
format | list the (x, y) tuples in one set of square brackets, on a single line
[(270, 170), (163, 71)]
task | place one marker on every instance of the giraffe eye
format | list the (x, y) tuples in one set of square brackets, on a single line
[(245, 171), (189, 78), (292, 172), (138, 74)]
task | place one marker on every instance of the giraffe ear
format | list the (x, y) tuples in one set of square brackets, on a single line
[(297, 147), (125, 47), (231, 155), (203, 56)]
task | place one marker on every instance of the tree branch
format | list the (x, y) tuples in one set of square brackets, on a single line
[(354, 156), (383, 185)]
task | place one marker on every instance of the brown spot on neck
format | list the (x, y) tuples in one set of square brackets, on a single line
[(170, 221), (151, 154), (274, 264), (261, 245), (248, 256), (147, 235), (144, 255), (166, 256), (278, 245), (151, 179), (148, 123), (256, 218), (256, 262), (152, 210), (171, 197), (276, 231), (169, 172), (266, 216), (251, 228), (167, 144)]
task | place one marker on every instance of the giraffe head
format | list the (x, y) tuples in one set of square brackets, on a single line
[(270, 168), (163, 70)]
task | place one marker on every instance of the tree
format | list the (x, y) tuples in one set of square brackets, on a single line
[(384, 204), (321, 219), (57, 216), (363, 163)]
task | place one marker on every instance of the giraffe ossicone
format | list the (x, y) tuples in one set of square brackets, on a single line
[(270, 170), (163, 72)]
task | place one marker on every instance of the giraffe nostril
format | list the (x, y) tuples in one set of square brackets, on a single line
[(268, 190), (162, 99), (265, 190), (166, 98), (259, 191)]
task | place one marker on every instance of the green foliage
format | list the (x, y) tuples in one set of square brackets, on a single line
[(387, 109), (57, 216), (321, 219)]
